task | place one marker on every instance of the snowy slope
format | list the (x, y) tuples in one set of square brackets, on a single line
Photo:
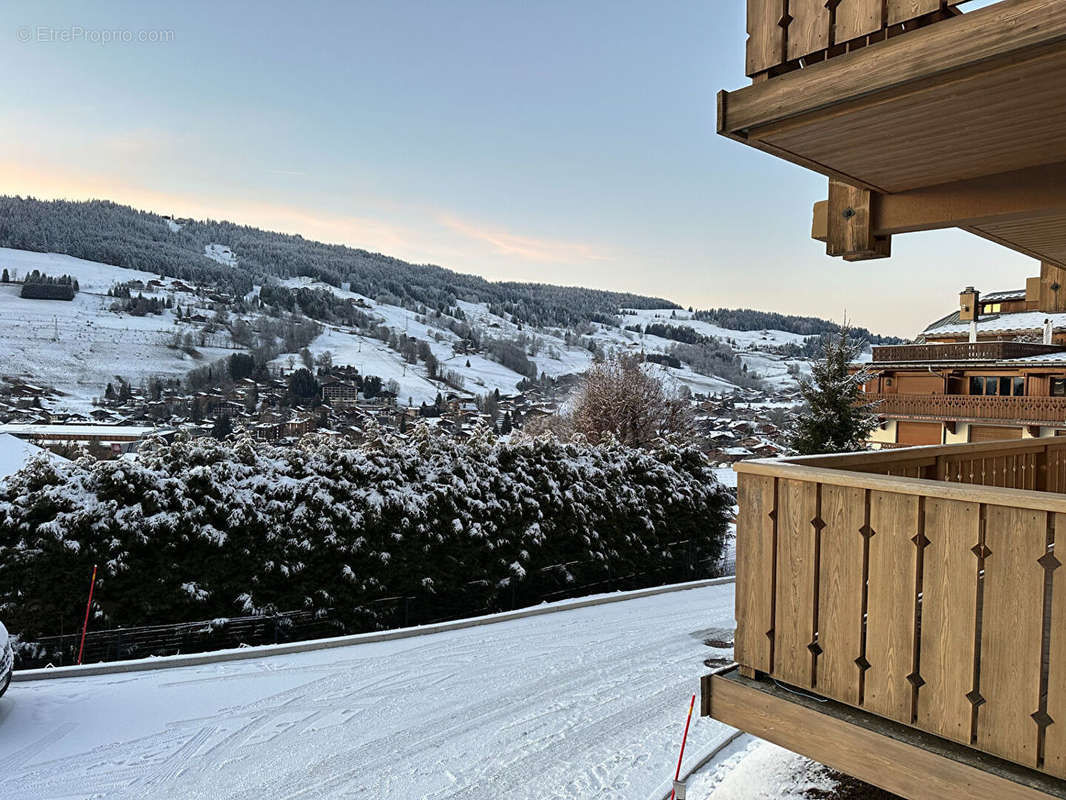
[(579, 704), (78, 346)]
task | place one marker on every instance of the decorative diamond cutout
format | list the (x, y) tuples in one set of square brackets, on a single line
[(975, 698), (862, 663), (919, 540), (786, 20), (1042, 718), (1049, 562), (773, 515), (980, 551), (818, 523), (815, 648), (916, 680), (867, 531), (770, 634)]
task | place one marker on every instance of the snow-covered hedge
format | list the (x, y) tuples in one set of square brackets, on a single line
[(199, 528)]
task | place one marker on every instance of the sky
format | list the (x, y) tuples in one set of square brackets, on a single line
[(559, 142)]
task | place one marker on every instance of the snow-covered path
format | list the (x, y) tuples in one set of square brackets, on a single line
[(587, 703)]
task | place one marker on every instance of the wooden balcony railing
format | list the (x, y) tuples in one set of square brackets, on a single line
[(921, 585), (962, 351), (785, 34), (1025, 410)]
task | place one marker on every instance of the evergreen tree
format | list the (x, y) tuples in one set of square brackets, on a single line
[(834, 419), (5, 278), (222, 428), (507, 426)]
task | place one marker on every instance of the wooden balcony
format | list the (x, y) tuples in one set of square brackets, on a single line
[(919, 586), (926, 117), (972, 408), (962, 351)]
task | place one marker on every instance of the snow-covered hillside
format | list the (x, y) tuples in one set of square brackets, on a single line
[(583, 703), (78, 347)]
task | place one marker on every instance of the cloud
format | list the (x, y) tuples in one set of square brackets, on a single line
[(529, 248)]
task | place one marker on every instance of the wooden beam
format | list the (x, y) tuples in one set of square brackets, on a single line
[(1019, 194), (848, 231), (980, 40), (894, 757)]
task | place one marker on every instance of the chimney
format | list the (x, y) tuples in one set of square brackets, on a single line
[(968, 305)]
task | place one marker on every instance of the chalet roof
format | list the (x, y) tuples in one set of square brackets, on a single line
[(999, 323), (999, 297)]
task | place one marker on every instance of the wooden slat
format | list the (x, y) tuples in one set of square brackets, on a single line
[(1011, 633), (906, 10), (794, 623), (755, 580), (890, 611), (948, 618), (857, 18), (809, 31), (1055, 745), (840, 593), (766, 37)]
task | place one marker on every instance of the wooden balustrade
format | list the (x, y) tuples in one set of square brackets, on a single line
[(785, 34), (1033, 410), (962, 351), (921, 585)]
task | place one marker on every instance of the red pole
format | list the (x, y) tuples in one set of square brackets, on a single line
[(89, 605), (677, 772)]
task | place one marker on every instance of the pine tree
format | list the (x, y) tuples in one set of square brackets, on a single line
[(222, 428), (5, 278), (834, 419), (507, 426)]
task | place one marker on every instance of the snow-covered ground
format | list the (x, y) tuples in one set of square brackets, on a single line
[(586, 703), (221, 254), (78, 346), (762, 771)]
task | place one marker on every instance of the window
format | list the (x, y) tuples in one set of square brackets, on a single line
[(993, 308), (1058, 387), (1005, 386)]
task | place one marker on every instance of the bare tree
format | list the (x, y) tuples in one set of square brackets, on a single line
[(619, 397)]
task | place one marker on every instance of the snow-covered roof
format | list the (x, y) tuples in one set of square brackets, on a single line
[(999, 297), (1020, 321), (89, 431), (15, 454)]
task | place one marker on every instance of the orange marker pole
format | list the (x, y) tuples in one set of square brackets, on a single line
[(89, 605), (677, 772)]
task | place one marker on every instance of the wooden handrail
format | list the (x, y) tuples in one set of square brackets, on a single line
[(962, 351)]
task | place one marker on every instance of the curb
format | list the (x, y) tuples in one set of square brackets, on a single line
[(262, 651)]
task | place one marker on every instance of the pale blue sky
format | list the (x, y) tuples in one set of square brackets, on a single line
[(565, 142)]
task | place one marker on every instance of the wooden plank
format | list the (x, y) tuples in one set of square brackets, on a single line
[(917, 767), (979, 37), (1043, 501), (856, 18), (1011, 633), (766, 37), (794, 621), (840, 593), (755, 579), (809, 31), (949, 617), (906, 10), (890, 609), (1055, 744)]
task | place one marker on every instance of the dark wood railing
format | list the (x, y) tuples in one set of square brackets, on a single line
[(921, 585), (962, 351), (787, 34), (1025, 410)]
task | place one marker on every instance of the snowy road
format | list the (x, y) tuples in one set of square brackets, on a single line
[(583, 704)]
